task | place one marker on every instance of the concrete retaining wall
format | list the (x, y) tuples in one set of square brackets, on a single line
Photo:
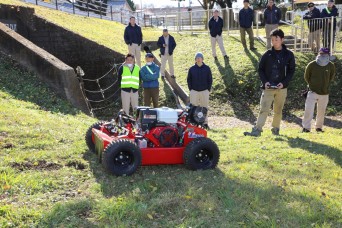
[(49, 69)]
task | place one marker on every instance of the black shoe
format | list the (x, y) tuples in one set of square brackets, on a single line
[(253, 48), (305, 130), (255, 132), (215, 58), (226, 57), (319, 130), (206, 126), (172, 76), (163, 77)]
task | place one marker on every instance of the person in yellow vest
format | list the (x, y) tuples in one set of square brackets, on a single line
[(129, 79)]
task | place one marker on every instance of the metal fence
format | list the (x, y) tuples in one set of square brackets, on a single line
[(90, 8), (300, 37), (194, 20)]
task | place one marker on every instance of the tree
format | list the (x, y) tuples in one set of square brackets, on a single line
[(221, 3), (131, 4)]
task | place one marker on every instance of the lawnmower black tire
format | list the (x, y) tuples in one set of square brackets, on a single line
[(201, 153), (88, 136), (122, 157)]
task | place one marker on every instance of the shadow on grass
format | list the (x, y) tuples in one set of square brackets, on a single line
[(240, 106), (254, 60), (71, 214), (25, 86), (317, 148), (329, 122), (179, 196)]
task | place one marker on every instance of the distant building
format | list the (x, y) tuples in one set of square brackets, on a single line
[(168, 15), (119, 5)]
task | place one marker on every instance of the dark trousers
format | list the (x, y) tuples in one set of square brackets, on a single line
[(151, 93), (243, 37)]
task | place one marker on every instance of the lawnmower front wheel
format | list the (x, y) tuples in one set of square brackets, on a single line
[(89, 135), (201, 153), (122, 157)]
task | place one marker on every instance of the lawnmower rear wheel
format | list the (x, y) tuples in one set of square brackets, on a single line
[(88, 136), (122, 157), (201, 153)]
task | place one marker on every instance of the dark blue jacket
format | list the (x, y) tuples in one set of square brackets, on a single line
[(150, 80), (333, 13), (277, 67), (272, 16), (133, 34), (310, 16), (246, 17), (215, 27), (199, 78), (172, 44)]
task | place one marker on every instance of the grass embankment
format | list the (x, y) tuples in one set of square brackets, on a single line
[(49, 179), (236, 84)]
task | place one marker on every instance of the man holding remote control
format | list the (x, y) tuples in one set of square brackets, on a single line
[(276, 69)]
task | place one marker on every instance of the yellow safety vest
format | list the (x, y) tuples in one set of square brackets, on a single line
[(130, 79)]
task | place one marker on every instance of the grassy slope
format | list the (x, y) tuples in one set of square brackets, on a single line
[(236, 85), (48, 178), (292, 180)]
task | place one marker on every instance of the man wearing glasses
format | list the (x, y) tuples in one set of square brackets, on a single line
[(314, 24)]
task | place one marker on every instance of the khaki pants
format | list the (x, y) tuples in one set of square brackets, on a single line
[(269, 96), (219, 41), (269, 28), (200, 98), (166, 58), (151, 93), (250, 35), (128, 98), (311, 100), (135, 50), (315, 37)]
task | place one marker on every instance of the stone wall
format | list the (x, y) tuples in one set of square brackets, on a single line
[(49, 69), (66, 45)]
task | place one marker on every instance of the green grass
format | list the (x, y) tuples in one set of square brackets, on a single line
[(236, 84), (48, 178)]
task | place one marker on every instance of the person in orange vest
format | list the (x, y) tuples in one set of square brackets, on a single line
[(129, 79)]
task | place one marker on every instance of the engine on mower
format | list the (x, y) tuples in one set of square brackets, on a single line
[(155, 136)]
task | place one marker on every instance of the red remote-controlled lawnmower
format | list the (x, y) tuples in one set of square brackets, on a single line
[(157, 136)]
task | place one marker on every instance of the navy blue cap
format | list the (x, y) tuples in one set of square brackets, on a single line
[(149, 55)]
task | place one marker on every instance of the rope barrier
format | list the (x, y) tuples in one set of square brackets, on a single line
[(115, 93), (98, 91), (96, 80), (112, 72)]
